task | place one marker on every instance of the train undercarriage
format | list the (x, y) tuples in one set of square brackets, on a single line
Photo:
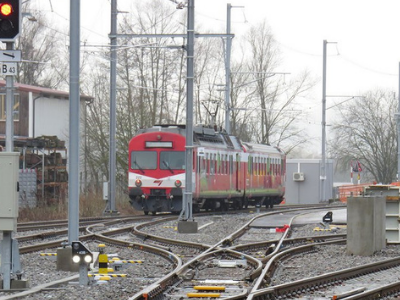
[(154, 204)]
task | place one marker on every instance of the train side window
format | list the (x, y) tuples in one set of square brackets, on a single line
[(273, 166), (250, 167), (212, 164), (279, 167), (207, 164), (215, 164), (219, 162), (263, 166), (224, 165), (258, 166)]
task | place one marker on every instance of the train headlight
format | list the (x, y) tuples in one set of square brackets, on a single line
[(178, 183), (138, 182)]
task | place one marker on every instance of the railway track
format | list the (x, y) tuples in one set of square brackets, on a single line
[(355, 283), (237, 265)]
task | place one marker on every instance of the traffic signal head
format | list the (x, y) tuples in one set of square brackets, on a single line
[(80, 253), (10, 20)]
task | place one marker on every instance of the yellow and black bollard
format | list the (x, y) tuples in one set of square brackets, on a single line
[(103, 260)]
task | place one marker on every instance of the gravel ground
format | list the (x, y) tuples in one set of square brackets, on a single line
[(211, 229), (327, 259), (39, 270)]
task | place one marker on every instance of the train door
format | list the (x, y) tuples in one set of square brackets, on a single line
[(237, 172), (249, 174), (231, 173)]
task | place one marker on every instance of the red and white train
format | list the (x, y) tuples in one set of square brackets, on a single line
[(227, 173)]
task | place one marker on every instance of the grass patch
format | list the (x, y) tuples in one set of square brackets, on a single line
[(91, 205)]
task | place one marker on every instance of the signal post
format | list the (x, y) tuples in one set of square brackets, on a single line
[(10, 24)]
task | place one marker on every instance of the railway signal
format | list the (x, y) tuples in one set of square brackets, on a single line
[(80, 254), (10, 20), (83, 256)]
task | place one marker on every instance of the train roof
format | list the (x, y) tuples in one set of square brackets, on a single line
[(209, 136), (173, 128), (203, 136), (251, 147)]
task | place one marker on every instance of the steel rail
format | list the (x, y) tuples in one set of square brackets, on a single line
[(332, 278)]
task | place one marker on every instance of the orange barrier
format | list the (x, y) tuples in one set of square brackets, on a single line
[(351, 190)]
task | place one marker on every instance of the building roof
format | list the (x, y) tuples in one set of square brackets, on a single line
[(45, 92)]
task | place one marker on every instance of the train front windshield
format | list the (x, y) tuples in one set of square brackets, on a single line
[(172, 160), (144, 160), (147, 160)]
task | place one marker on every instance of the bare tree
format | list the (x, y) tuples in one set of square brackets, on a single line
[(151, 68), (150, 87), (366, 131), (44, 52), (96, 131), (271, 98)]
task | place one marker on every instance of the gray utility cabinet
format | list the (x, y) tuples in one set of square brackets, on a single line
[(303, 181), (9, 167)]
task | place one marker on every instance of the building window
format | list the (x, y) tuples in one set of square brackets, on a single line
[(3, 107)]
